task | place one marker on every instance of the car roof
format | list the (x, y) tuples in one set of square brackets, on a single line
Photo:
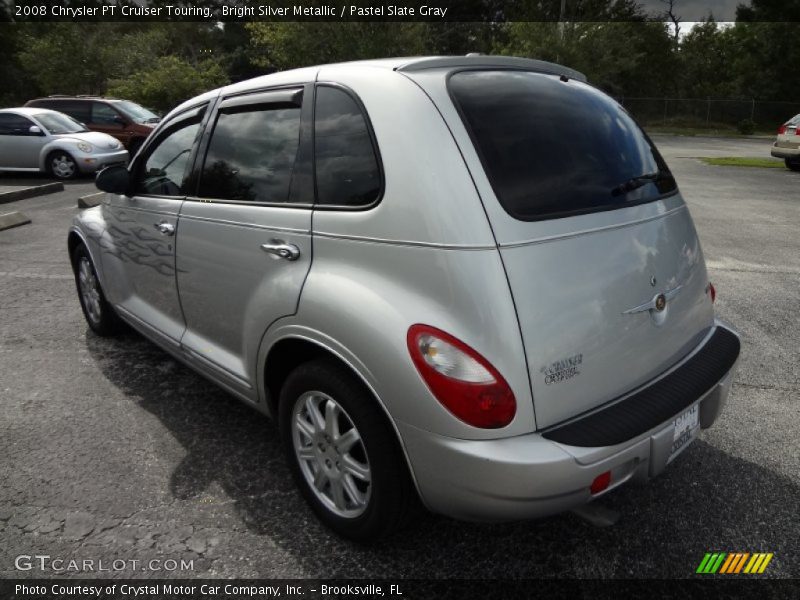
[(29, 111), (85, 97)]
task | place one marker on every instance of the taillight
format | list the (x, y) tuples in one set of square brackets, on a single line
[(797, 130), (781, 129), (462, 380)]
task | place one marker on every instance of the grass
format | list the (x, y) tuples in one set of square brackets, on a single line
[(706, 131), (738, 161)]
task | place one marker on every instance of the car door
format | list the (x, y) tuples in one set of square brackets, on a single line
[(244, 242), (139, 261), (106, 119), (19, 148)]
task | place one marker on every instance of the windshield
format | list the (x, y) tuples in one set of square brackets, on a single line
[(58, 123), (138, 113), (555, 147)]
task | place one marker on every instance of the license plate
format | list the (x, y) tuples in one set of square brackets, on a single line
[(685, 428)]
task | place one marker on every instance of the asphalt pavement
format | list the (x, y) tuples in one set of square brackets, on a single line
[(109, 449)]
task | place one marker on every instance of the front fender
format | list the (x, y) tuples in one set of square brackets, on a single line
[(51, 146), (89, 227)]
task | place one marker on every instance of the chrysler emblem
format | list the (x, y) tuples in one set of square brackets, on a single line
[(658, 302)]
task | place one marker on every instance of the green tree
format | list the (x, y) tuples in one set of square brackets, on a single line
[(626, 58), (68, 58), (765, 59), (285, 45), (706, 59), (168, 82)]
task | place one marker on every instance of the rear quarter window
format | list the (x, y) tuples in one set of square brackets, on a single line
[(555, 147), (348, 172)]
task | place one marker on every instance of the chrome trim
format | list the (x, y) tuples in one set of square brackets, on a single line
[(281, 249), (657, 302), (165, 227)]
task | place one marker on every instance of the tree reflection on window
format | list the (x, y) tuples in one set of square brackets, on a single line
[(252, 154)]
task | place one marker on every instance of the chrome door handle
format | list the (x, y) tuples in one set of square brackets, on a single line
[(282, 249), (165, 228)]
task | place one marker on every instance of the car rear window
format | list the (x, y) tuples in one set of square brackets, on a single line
[(555, 147)]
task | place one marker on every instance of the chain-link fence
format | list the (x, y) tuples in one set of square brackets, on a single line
[(710, 112)]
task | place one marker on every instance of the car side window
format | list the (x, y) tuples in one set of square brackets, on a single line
[(162, 170), (103, 114), (347, 167), (15, 125), (252, 154), (77, 109)]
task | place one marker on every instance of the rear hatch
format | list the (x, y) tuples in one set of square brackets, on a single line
[(600, 251)]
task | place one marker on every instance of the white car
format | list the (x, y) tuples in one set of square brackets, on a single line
[(787, 145), (37, 139)]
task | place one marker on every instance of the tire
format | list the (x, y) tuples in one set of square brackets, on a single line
[(375, 494), (61, 165), (98, 312), (792, 163)]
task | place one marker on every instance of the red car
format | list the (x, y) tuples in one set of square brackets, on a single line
[(122, 119)]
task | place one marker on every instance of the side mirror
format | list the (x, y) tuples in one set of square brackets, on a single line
[(35, 130), (114, 180), (120, 121)]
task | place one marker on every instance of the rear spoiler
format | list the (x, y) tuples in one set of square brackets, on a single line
[(482, 61)]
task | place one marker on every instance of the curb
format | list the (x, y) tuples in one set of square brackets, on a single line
[(90, 200), (31, 192), (13, 219)]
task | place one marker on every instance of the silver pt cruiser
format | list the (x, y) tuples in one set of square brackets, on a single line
[(466, 281)]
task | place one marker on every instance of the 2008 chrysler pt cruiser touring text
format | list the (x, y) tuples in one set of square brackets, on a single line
[(466, 281)]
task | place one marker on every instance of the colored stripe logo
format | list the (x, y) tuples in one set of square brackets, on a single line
[(733, 563)]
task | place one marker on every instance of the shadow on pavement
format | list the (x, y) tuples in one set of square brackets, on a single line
[(707, 501)]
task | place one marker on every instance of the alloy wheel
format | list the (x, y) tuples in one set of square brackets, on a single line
[(63, 166), (331, 454), (90, 290)]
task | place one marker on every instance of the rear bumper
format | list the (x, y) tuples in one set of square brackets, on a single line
[(783, 152), (531, 476)]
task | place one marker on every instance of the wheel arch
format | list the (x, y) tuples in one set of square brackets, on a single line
[(76, 237), (48, 149), (285, 353)]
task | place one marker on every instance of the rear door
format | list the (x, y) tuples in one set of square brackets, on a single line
[(244, 242), (600, 251), (106, 119)]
